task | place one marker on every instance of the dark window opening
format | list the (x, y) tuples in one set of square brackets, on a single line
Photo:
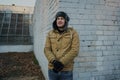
[(14, 29)]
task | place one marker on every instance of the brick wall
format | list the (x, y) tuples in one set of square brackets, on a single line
[(98, 25), (39, 20)]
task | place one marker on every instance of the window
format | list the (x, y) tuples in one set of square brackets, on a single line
[(14, 29)]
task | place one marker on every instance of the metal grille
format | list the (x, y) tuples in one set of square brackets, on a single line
[(14, 29)]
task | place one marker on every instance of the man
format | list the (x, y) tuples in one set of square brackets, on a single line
[(61, 47)]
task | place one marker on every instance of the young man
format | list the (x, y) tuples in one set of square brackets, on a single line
[(61, 47)]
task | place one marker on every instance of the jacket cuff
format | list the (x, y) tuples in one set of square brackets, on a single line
[(52, 60)]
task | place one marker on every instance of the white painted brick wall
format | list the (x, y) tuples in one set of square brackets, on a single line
[(39, 22), (98, 25)]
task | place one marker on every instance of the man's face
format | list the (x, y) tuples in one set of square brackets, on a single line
[(60, 22)]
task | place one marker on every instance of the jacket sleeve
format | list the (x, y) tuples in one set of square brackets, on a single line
[(48, 51), (74, 50)]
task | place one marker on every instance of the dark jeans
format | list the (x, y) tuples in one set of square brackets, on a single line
[(63, 75)]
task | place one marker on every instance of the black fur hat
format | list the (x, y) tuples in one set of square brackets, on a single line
[(65, 16), (62, 14)]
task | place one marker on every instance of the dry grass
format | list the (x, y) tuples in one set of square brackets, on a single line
[(21, 66)]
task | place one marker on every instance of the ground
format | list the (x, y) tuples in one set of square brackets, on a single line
[(19, 66)]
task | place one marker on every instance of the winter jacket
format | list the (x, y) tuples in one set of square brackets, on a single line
[(62, 47)]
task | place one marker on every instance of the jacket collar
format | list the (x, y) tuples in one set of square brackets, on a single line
[(56, 31)]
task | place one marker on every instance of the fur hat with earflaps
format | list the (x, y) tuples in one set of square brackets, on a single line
[(61, 14)]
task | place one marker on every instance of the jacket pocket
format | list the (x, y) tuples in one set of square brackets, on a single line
[(66, 41), (53, 42)]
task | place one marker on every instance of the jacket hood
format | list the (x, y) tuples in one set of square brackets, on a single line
[(65, 16)]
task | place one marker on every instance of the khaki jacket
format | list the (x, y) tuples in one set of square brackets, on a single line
[(62, 47)]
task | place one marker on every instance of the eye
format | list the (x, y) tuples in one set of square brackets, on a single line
[(60, 18)]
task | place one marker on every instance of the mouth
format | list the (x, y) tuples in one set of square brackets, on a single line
[(60, 23)]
